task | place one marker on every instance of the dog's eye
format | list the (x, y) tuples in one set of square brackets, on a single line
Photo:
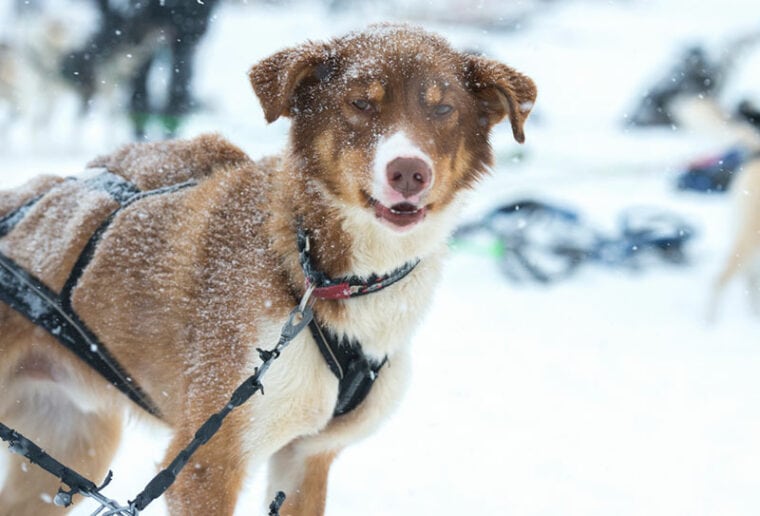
[(442, 109), (362, 105)]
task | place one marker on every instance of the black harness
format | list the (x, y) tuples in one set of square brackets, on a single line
[(54, 313), (355, 371)]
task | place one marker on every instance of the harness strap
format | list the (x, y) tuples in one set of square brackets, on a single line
[(124, 193), (10, 220), (355, 372), (40, 305), (54, 312)]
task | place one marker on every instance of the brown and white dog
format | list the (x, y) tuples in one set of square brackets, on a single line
[(389, 128)]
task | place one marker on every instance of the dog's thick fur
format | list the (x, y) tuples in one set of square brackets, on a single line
[(184, 287)]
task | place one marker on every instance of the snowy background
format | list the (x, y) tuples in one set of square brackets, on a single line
[(604, 394)]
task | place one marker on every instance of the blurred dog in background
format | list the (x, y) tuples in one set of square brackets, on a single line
[(707, 115), (100, 57)]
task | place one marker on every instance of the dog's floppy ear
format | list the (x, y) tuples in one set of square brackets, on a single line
[(500, 91), (276, 78)]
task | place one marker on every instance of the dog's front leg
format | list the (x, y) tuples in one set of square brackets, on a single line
[(303, 477), (211, 480)]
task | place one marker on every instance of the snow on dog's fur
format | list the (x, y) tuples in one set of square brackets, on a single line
[(389, 128)]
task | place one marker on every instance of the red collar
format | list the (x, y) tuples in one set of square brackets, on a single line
[(347, 286)]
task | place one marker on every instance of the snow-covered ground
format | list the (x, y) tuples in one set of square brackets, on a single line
[(605, 394)]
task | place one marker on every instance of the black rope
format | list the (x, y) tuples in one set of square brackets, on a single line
[(23, 446), (77, 483), (298, 320), (274, 507)]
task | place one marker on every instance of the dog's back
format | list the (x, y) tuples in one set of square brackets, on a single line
[(62, 214)]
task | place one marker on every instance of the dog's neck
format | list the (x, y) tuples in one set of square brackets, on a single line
[(345, 287)]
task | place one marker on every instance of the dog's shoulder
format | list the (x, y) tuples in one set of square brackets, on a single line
[(156, 164)]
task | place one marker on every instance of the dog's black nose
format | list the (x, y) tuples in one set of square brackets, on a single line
[(408, 176)]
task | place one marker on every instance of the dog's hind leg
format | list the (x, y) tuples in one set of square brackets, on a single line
[(84, 442), (732, 266), (738, 261), (753, 286), (303, 478)]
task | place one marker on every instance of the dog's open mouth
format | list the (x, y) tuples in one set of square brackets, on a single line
[(400, 215)]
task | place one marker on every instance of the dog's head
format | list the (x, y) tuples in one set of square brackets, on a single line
[(392, 120)]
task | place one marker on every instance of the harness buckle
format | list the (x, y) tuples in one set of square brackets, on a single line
[(298, 319)]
